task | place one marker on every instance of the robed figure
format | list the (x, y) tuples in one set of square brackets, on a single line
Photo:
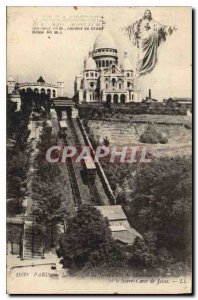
[(147, 35)]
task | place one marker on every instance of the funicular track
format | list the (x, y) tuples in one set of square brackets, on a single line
[(96, 199), (94, 193), (74, 183)]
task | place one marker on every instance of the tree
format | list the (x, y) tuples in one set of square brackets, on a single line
[(50, 206), (145, 253), (161, 203), (88, 240), (17, 154)]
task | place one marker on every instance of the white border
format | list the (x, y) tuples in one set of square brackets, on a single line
[(3, 5)]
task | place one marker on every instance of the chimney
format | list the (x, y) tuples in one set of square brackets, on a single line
[(149, 93)]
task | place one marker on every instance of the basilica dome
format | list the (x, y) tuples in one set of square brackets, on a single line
[(104, 40), (90, 64)]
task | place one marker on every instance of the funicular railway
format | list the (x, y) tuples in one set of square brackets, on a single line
[(74, 183), (88, 165), (69, 164), (32, 245), (87, 191)]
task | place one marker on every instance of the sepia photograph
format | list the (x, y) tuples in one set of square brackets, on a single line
[(99, 150)]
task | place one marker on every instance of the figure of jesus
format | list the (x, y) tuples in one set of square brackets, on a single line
[(147, 35)]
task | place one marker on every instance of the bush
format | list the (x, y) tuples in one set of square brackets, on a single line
[(152, 136), (188, 126)]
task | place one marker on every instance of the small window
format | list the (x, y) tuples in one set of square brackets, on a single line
[(92, 74), (87, 74)]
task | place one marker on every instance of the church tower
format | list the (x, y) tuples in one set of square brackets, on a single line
[(105, 51)]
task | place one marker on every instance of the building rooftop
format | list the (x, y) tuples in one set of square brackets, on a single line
[(112, 212), (120, 228), (63, 101), (126, 236), (41, 80)]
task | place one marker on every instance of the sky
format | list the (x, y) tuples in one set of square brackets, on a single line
[(61, 57)]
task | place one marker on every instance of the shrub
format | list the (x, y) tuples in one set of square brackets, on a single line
[(188, 126), (152, 136)]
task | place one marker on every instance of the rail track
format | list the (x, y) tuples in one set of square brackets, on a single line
[(94, 193), (96, 199), (74, 183), (74, 135)]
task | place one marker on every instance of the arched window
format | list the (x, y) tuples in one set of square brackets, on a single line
[(54, 93), (36, 91), (113, 82), (115, 98), (103, 63), (92, 74), (42, 91), (122, 98), (128, 84), (107, 85), (108, 98), (49, 92), (99, 63), (120, 85)]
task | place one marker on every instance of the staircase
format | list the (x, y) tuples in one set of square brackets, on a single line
[(32, 243)]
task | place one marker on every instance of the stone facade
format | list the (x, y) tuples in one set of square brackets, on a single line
[(40, 87), (102, 79)]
